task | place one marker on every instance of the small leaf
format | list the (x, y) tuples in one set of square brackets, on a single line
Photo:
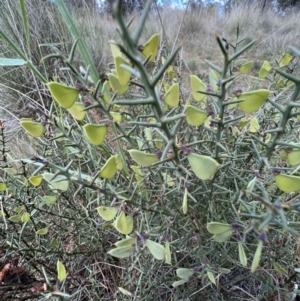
[(122, 252), (287, 183), (10, 171), (217, 228), (150, 48), (77, 111), (184, 202), (33, 128), (109, 170), (142, 158), (168, 179), (96, 133), (245, 68), (107, 213), (242, 254), (3, 187), (280, 269), (172, 96), (197, 85), (293, 157), (36, 180), (25, 217), (168, 253), (194, 116), (61, 271), (204, 167), (64, 95), (125, 292), (179, 282), (157, 250), (119, 163), (254, 125), (253, 100), (129, 241), (250, 186), (105, 93), (7, 62), (123, 75), (129, 220), (124, 224), (211, 277), (222, 237), (42, 231), (50, 200), (265, 70), (60, 182), (137, 173), (257, 256), (213, 80), (184, 273), (285, 59), (115, 49), (116, 85), (224, 271), (53, 243), (16, 218), (117, 117)]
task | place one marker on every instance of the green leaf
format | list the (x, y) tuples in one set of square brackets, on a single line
[(204, 167), (279, 269), (33, 128), (123, 224), (197, 85), (53, 243), (222, 237), (3, 187), (49, 199), (253, 100), (184, 273), (16, 218), (293, 157), (194, 116), (121, 252), (168, 179), (11, 62), (65, 96), (257, 256), (254, 125), (117, 117), (242, 254), (36, 180), (125, 292), (184, 202), (105, 93), (245, 68), (10, 171), (150, 48), (107, 213), (123, 75), (250, 186), (115, 49), (287, 183), (116, 85), (129, 241), (60, 182), (179, 282), (211, 277), (95, 132), (42, 231), (118, 162), (285, 59), (168, 253), (129, 220), (61, 271), (217, 228), (213, 80), (171, 97), (25, 217), (142, 158), (77, 111), (109, 170), (157, 250), (265, 70), (224, 271)]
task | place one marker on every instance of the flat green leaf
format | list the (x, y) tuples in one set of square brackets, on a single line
[(280, 269), (33, 128), (224, 270), (10, 171), (254, 125), (194, 116), (53, 243), (118, 162), (36, 180), (253, 100), (245, 68), (150, 47), (168, 179), (42, 231), (117, 117), (121, 252), (213, 80), (265, 70), (179, 282), (60, 182), (222, 237), (49, 199), (293, 157), (142, 158), (287, 183), (16, 218), (168, 258), (184, 202), (61, 271), (123, 224), (129, 220), (250, 186), (242, 254), (211, 277), (157, 250), (217, 228), (123, 75), (126, 242), (64, 95), (257, 256), (11, 62), (285, 59), (25, 217), (125, 292), (109, 169), (107, 213), (3, 187), (115, 49), (204, 167), (171, 97), (77, 111), (137, 173), (105, 93), (184, 273), (95, 132), (197, 85), (116, 85)]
